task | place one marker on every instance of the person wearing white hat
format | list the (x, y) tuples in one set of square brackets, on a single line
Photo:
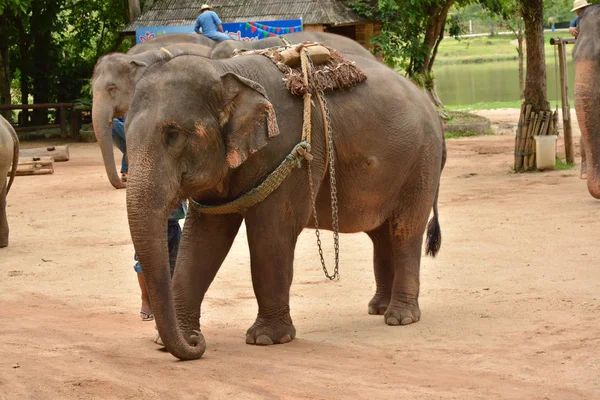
[(578, 6), (210, 23)]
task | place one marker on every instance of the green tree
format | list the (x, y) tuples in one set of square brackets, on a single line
[(412, 31), (51, 46)]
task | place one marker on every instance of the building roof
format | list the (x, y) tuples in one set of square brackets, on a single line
[(184, 12)]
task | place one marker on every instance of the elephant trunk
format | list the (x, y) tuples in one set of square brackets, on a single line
[(102, 116), (148, 210), (587, 99)]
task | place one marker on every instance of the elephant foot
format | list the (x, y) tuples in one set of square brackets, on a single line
[(378, 305), (402, 312), (268, 331), (583, 176)]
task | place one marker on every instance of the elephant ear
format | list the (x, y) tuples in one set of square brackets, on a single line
[(247, 120)]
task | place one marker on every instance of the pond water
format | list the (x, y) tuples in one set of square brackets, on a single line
[(462, 84)]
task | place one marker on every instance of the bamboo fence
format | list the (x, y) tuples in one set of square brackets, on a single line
[(531, 124)]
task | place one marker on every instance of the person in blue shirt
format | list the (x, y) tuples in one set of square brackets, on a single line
[(578, 6), (210, 23)]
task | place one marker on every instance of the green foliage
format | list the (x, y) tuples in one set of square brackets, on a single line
[(412, 29), (54, 44)]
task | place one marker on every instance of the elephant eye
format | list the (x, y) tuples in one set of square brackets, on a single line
[(111, 89), (171, 135)]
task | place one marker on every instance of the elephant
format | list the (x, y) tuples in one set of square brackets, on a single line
[(112, 85), (586, 56), (9, 155), (341, 43), (229, 124), (169, 39)]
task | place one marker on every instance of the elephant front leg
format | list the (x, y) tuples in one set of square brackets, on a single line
[(206, 240), (3, 219), (272, 242)]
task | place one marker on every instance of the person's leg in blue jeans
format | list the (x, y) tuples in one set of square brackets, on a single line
[(118, 136)]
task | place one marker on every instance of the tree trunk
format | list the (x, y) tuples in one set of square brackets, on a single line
[(133, 9), (43, 56), (5, 75), (5, 78), (536, 117), (535, 83)]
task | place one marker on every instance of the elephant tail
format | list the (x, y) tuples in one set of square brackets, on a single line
[(434, 232)]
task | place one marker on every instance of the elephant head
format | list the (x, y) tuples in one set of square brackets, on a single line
[(113, 83), (586, 54), (215, 122)]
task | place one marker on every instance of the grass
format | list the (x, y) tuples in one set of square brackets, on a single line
[(486, 105), (486, 48), (563, 165), (457, 135)]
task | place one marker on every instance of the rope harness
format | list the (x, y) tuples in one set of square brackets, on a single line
[(302, 151)]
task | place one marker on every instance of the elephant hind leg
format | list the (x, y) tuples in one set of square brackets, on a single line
[(383, 267), (407, 229), (3, 219)]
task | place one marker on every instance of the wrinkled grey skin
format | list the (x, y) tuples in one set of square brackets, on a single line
[(586, 55), (218, 139), (9, 155), (112, 85), (340, 43)]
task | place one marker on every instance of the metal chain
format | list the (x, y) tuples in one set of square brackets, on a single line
[(334, 202)]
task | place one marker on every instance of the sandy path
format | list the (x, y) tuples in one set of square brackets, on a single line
[(511, 306)]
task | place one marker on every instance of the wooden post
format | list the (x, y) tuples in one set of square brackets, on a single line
[(566, 108), (62, 111)]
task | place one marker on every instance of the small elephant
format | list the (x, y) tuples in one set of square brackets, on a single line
[(229, 124), (341, 43), (113, 82), (586, 57), (9, 155)]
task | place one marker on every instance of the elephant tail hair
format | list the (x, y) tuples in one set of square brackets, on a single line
[(434, 232)]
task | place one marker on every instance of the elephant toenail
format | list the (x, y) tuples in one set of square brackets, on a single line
[(249, 339), (264, 340), (392, 321), (406, 321), (285, 339)]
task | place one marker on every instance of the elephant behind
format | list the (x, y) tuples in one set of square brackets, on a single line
[(9, 155), (586, 55), (229, 124), (341, 43), (113, 81), (169, 39)]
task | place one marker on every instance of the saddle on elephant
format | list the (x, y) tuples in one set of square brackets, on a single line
[(330, 69)]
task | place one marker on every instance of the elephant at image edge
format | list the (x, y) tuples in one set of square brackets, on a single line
[(113, 82), (586, 55), (340, 43), (221, 137), (9, 155)]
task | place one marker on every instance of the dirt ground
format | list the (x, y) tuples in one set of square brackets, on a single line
[(510, 307)]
